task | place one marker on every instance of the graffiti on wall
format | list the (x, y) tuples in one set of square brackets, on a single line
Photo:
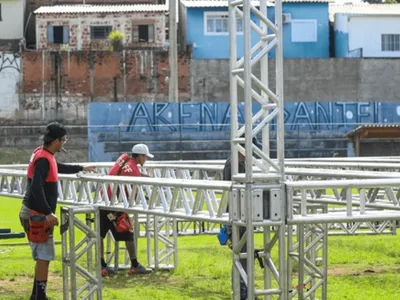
[(216, 116), (10, 69)]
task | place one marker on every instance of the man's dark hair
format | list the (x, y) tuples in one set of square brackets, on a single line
[(54, 131), (134, 155)]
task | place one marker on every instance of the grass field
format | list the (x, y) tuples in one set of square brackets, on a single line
[(361, 268)]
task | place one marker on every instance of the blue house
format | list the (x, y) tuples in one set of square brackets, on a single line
[(306, 28)]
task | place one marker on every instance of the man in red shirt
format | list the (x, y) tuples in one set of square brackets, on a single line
[(38, 209), (119, 223)]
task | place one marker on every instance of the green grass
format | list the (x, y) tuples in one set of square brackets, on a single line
[(362, 267)]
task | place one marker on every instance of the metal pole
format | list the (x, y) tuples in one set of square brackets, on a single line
[(97, 253), (173, 52), (248, 112), (72, 254), (89, 252), (234, 148), (325, 258), (175, 234), (280, 133), (65, 254)]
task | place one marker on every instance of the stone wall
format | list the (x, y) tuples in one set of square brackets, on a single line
[(79, 25)]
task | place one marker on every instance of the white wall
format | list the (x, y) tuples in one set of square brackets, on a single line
[(12, 19), (10, 68), (365, 32)]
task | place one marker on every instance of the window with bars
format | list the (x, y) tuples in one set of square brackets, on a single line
[(390, 42), (143, 33), (216, 23), (100, 32)]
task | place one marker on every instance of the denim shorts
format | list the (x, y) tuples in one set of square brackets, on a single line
[(40, 251)]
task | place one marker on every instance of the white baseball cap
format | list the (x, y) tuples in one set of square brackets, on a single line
[(142, 149)]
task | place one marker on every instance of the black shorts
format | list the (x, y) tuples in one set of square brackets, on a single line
[(106, 225)]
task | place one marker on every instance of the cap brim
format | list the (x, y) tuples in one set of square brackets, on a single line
[(150, 155)]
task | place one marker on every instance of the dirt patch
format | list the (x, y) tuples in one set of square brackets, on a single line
[(13, 283), (19, 287), (343, 271)]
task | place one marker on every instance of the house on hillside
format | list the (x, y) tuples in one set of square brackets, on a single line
[(84, 27), (366, 30), (204, 26), (33, 5), (11, 24)]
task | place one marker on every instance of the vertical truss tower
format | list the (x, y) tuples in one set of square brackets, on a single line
[(258, 199)]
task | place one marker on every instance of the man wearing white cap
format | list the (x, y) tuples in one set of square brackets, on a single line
[(119, 223)]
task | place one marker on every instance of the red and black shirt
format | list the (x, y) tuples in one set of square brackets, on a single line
[(41, 191)]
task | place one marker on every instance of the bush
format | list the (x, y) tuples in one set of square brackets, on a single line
[(116, 36)]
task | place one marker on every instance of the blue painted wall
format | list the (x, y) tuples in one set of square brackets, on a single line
[(341, 44), (217, 47), (138, 122), (317, 11), (210, 46)]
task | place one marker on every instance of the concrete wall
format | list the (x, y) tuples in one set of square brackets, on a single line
[(10, 72), (209, 46), (202, 130), (363, 32), (60, 85), (78, 26), (12, 19), (308, 80)]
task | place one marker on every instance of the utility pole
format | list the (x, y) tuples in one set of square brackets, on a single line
[(173, 52)]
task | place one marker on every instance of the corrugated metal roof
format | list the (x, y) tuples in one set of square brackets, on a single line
[(210, 3), (224, 3), (309, 1), (364, 9), (380, 129), (88, 9), (378, 126)]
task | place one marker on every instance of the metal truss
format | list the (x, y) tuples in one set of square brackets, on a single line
[(369, 200), (81, 265), (13, 182), (162, 202), (310, 252), (258, 199), (161, 235), (162, 242)]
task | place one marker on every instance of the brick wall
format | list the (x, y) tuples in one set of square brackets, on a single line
[(76, 77)]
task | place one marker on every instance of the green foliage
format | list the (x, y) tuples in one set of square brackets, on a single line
[(116, 36), (64, 47)]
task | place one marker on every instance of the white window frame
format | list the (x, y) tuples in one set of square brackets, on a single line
[(296, 39), (218, 14)]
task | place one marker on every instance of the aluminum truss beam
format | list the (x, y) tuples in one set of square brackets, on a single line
[(12, 183), (366, 201), (262, 200), (81, 265)]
